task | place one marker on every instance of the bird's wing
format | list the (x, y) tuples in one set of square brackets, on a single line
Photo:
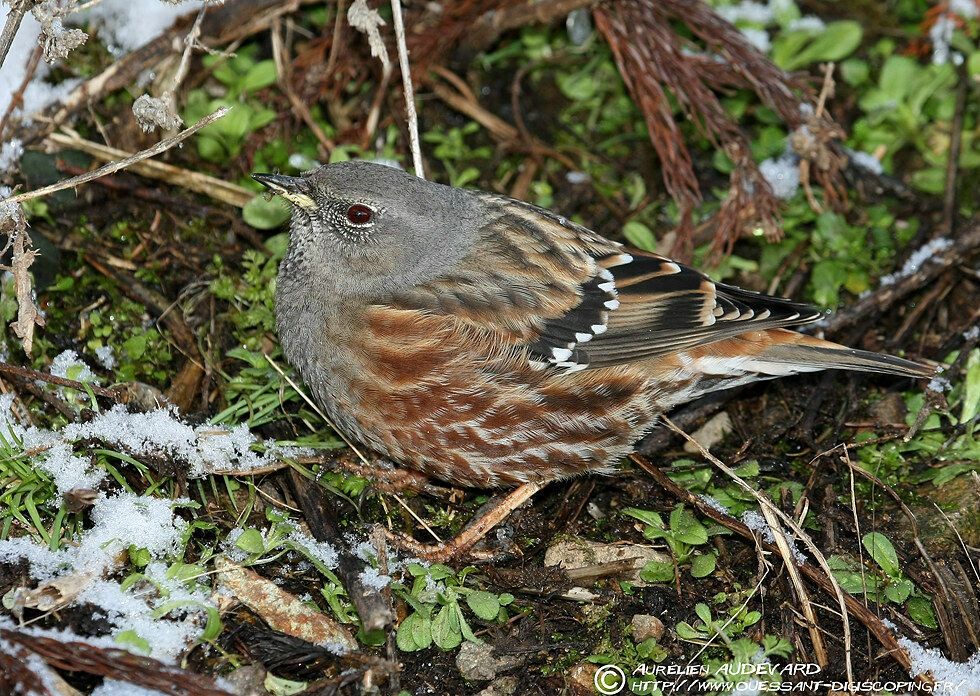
[(578, 300)]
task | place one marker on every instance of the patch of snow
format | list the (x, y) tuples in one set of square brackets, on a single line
[(746, 11), (714, 503), (65, 361), (127, 519), (299, 161), (782, 175), (967, 9), (577, 177), (941, 34), (917, 259), (865, 160), (106, 355), (757, 523), (758, 38), (120, 521), (371, 577), (956, 678), (10, 154), (68, 471), (809, 23), (111, 687), (208, 447), (939, 384), (125, 25), (972, 333), (320, 550)]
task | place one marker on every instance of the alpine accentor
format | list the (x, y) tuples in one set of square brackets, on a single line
[(487, 341)]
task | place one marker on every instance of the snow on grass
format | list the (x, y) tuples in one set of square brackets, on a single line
[(865, 160), (320, 550), (63, 364), (206, 448), (122, 521), (158, 615), (956, 678), (69, 472)]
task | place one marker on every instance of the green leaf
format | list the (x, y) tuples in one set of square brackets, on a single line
[(260, 75), (414, 633), (898, 592), (578, 86), (657, 571), (897, 76), (836, 41), (703, 612), (640, 236), (265, 214), (446, 631), (828, 277), (931, 180), (136, 345), (646, 517), (685, 527), (687, 632), (133, 639), (484, 604), (139, 558), (703, 565), (920, 609), (882, 551), (225, 73), (210, 148), (236, 123), (417, 571), (855, 71), (250, 541), (437, 571)]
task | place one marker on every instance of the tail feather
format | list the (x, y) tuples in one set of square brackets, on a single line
[(807, 354)]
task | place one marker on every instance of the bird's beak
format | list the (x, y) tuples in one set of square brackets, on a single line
[(292, 188)]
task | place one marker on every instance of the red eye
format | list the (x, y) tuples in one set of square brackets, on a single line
[(360, 214)]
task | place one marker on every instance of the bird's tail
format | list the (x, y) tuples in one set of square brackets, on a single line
[(766, 354), (789, 350)]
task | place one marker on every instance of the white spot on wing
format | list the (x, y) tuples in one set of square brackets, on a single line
[(598, 329), (561, 354), (611, 304)]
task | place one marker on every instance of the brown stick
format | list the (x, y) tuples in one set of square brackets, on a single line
[(28, 373), (115, 663)]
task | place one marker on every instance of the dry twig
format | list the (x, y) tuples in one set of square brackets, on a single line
[(107, 169)]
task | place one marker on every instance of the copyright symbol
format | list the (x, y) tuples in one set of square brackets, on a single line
[(609, 679)]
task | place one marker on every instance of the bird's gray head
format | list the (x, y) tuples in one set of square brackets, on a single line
[(366, 230)]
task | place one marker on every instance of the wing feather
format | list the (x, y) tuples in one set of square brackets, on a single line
[(576, 300)]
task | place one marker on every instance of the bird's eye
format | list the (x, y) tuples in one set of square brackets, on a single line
[(360, 214)]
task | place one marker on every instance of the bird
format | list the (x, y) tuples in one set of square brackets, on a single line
[(489, 342)]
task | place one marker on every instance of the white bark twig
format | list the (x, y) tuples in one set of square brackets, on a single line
[(413, 119)]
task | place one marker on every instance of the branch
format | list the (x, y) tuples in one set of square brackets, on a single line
[(112, 167)]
